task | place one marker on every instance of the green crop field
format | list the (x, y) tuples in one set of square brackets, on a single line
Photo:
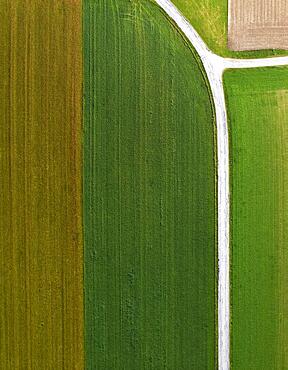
[(149, 201), (210, 19), (258, 118)]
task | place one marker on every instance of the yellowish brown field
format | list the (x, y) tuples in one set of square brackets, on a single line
[(40, 214), (258, 24)]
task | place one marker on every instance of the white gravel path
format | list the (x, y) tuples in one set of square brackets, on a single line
[(214, 66)]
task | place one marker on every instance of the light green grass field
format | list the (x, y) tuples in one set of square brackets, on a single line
[(210, 19), (149, 201), (258, 117)]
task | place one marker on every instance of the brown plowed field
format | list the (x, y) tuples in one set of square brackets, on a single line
[(258, 24)]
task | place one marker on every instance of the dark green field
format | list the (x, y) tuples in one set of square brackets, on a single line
[(258, 114), (149, 201)]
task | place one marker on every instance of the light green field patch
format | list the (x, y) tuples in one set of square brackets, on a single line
[(258, 118), (210, 19)]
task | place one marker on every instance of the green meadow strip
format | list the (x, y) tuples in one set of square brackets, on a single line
[(258, 118), (41, 299), (149, 193)]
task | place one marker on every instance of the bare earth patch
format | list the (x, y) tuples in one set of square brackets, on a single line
[(258, 24)]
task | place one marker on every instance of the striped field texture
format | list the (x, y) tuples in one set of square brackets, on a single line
[(149, 200), (258, 24), (258, 114), (41, 317)]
